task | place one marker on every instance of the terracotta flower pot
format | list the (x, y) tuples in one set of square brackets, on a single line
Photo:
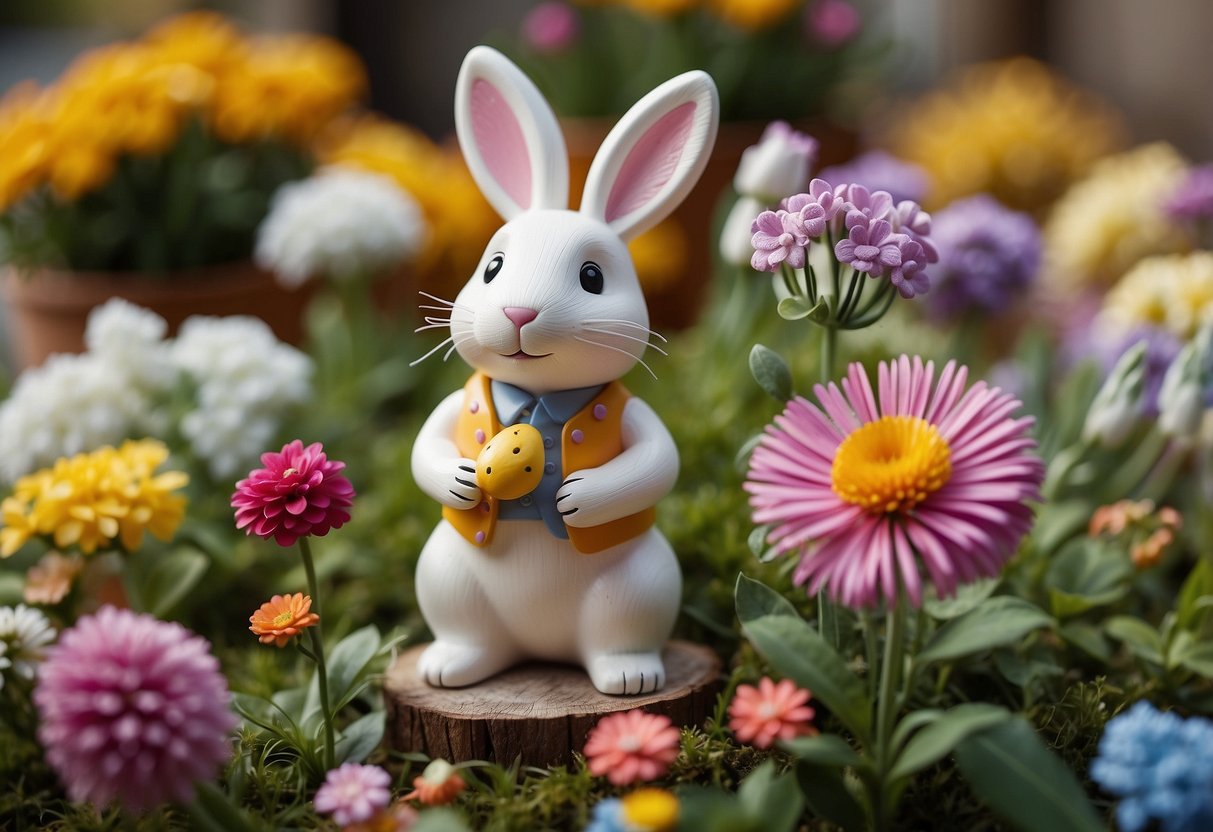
[(677, 301), (48, 309)]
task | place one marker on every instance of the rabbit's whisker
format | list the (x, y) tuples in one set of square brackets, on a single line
[(629, 337), (445, 341), (619, 350), (622, 322), (449, 303), (446, 325)]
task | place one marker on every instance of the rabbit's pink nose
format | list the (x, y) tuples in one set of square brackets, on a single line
[(520, 315)]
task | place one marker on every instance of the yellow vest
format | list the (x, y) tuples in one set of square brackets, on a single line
[(592, 437)]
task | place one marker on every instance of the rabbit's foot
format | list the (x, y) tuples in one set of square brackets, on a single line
[(626, 673), (446, 664)]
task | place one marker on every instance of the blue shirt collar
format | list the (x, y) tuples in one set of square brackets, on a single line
[(561, 405)]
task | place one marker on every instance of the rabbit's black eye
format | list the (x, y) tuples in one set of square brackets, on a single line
[(494, 266), (591, 277)]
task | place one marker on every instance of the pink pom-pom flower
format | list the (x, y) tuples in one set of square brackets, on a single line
[(299, 493), (132, 709), (354, 793)]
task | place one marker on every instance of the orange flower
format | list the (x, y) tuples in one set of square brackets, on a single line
[(50, 579), (438, 785), (760, 715), (282, 618)]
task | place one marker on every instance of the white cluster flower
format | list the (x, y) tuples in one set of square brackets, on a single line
[(246, 382), (76, 403), (24, 635), (342, 223)]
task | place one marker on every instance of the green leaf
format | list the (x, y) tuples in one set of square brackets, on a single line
[(823, 749), (797, 308), (826, 792), (967, 597), (937, 740), (360, 738), (440, 820), (771, 372), (1197, 588), (702, 809), (773, 801), (1197, 657), (1086, 575), (796, 650), (1087, 638), (1142, 639), (755, 599), (1001, 620), (171, 578), (1021, 779), (1058, 522), (345, 665), (212, 811)]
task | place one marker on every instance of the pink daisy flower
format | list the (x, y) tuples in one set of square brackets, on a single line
[(299, 493), (354, 793), (132, 709), (631, 746), (933, 475), (760, 715)]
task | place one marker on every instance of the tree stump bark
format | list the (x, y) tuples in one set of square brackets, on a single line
[(540, 713)]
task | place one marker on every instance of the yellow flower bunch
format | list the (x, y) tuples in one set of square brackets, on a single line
[(1173, 292), (95, 500), (754, 15), (460, 220), (1011, 129), (660, 8), (1114, 218), (133, 98)]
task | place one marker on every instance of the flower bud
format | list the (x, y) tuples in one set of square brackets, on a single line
[(735, 237), (1118, 405), (778, 165), (1181, 399)]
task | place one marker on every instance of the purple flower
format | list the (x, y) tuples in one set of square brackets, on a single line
[(299, 493), (551, 27), (354, 793), (878, 170), (1193, 199), (832, 22), (874, 205), (775, 242), (133, 709), (806, 217), (988, 255), (908, 218), (869, 247), (907, 276)]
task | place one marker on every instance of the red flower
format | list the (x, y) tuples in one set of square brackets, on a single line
[(760, 715), (631, 746), (299, 493)]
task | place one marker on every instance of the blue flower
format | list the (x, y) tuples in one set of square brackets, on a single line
[(607, 817), (1161, 766)]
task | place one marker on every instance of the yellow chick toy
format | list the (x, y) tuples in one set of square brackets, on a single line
[(511, 464)]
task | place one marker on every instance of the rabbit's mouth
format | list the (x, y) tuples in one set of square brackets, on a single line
[(523, 355)]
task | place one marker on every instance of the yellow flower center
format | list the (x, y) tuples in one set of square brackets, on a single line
[(283, 618), (654, 810), (891, 465)]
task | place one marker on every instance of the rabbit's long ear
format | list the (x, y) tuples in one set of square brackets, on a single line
[(652, 158), (509, 136)]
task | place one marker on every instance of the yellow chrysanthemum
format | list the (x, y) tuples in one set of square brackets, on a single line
[(96, 500), (1173, 292), (460, 220), (287, 86), (753, 15), (661, 8), (1012, 129), (201, 40), (1114, 218)]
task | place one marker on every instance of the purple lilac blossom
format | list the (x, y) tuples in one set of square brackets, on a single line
[(1193, 199), (881, 171), (907, 275), (869, 245), (775, 243), (1161, 768), (988, 256)]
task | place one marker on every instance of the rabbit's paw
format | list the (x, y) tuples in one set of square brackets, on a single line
[(458, 476), (584, 499), (626, 673), (445, 664)]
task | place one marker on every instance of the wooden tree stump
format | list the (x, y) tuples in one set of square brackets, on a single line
[(538, 712)]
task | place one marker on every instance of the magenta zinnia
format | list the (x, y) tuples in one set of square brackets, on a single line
[(299, 493), (868, 489), (133, 709)]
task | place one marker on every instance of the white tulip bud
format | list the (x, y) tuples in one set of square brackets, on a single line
[(1181, 399), (735, 246), (778, 165), (1118, 405)]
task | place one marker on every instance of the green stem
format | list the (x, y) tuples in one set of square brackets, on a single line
[(829, 346), (827, 612), (887, 706), (330, 757)]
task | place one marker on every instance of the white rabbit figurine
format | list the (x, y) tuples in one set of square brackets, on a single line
[(573, 570)]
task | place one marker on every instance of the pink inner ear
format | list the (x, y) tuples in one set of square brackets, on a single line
[(499, 139), (651, 162)]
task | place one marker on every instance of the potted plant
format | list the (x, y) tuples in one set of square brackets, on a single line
[(144, 171)]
